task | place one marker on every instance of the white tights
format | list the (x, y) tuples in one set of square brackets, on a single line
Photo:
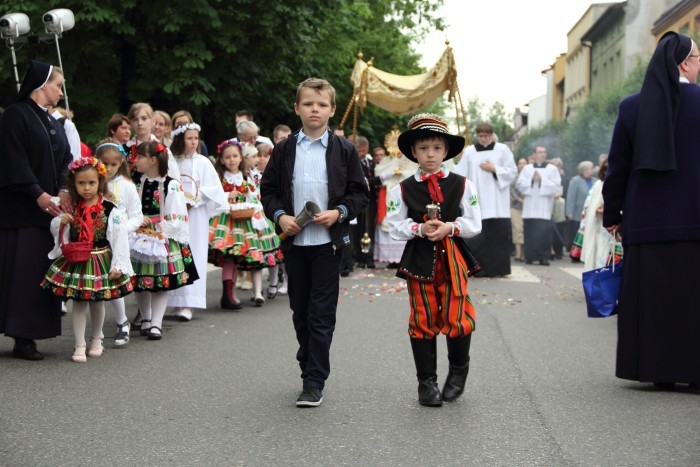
[(97, 317), (119, 310), (152, 306)]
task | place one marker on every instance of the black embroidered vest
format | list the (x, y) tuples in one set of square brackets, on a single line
[(420, 255)]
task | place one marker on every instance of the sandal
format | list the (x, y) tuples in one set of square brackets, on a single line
[(259, 300), (155, 333), (95, 350), (79, 354), (122, 335), (144, 329), (270, 293)]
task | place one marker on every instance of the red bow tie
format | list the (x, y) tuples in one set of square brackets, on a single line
[(433, 187)]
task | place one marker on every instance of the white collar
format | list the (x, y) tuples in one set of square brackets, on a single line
[(683, 79)]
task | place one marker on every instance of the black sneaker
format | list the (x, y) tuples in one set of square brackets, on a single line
[(310, 397)]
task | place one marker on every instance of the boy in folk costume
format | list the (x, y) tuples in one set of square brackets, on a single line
[(434, 210)]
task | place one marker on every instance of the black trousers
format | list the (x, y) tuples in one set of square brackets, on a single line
[(314, 283)]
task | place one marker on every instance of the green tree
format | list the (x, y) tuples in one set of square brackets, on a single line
[(214, 57)]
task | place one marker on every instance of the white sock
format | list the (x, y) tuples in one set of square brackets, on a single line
[(79, 321), (97, 317), (119, 310), (274, 276), (159, 302), (257, 282), (144, 301)]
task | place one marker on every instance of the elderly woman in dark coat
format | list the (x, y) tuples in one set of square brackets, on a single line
[(34, 156)]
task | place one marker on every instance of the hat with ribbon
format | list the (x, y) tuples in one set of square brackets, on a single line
[(425, 126)]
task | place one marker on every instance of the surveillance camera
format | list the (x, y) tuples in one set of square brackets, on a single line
[(58, 20), (14, 25)]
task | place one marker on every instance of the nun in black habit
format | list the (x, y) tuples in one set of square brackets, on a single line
[(34, 157), (652, 196)]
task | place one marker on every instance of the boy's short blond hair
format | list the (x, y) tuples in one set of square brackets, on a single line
[(138, 107), (319, 85)]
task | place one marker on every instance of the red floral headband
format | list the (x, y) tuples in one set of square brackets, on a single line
[(85, 161)]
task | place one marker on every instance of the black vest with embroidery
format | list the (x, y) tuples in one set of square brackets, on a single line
[(419, 256)]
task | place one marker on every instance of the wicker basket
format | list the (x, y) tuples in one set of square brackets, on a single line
[(242, 214)]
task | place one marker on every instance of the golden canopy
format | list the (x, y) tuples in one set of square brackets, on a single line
[(404, 95)]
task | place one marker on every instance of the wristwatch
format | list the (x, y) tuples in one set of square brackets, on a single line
[(341, 218)]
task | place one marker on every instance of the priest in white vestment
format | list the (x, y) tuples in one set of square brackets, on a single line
[(490, 166), (539, 183)]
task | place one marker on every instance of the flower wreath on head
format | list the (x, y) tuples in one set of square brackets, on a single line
[(183, 128), (229, 142), (83, 161)]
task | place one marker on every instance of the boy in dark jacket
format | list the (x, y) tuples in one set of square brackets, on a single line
[(314, 165)]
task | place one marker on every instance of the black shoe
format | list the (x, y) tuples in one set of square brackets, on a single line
[(26, 349), (271, 292), (361, 265), (665, 386), (155, 333), (428, 393), (458, 355), (544, 262), (227, 301), (371, 265), (528, 262), (425, 357), (345, 273), (392, 266), (310, 397)]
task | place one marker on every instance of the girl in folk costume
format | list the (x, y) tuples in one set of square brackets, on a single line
[(91, 253), (205, 198), (269, 241), (159, 250), (264, 153), (233, 242), (113, 156), (434, 211), (141, 117)]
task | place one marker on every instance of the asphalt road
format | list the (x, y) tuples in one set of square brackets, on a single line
[(220, 390)]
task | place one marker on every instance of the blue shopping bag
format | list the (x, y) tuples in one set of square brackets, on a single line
[(602, 289)]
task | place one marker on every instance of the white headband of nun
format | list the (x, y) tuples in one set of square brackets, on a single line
[(47, 78)]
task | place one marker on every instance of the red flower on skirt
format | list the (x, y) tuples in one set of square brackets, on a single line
[(59, 290), (147, 282), (166, 281), (87, 294)]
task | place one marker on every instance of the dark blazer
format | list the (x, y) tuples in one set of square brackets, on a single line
[(346, 184), (655, 206)]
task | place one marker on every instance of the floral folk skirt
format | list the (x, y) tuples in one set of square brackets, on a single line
[(175, 271), (234, 240), (88, 281)]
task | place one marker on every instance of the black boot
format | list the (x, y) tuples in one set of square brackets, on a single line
[(26, 349), (227, 301), (458, 355), (425, 357)]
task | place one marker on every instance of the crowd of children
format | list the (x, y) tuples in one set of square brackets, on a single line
[(146, 218), (146, 215)]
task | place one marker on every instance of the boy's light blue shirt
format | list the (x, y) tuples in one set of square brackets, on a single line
[(310, 183)]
